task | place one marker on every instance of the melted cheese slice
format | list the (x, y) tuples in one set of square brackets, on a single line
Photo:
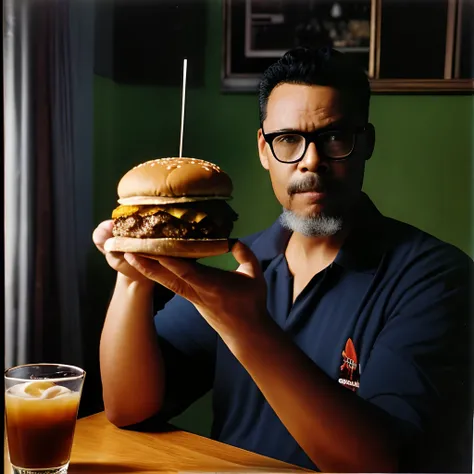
[(189, 215)]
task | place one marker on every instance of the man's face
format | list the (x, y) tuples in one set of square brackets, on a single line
[(315, 186)]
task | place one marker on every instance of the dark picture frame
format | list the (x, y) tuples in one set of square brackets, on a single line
[(435, 59)]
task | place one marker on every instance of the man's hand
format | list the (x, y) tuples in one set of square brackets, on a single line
[(115, 259), (231, 302), (314, 408)]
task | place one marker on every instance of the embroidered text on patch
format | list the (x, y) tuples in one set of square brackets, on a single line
[(349, 371)]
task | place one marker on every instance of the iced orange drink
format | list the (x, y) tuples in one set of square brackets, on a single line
[(41, 417)]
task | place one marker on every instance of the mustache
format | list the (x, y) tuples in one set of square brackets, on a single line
[(312, 182)]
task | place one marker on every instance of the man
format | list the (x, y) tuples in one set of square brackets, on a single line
[(341, 341)]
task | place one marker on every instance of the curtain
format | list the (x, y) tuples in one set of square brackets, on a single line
[(48, 79), (17, 163)]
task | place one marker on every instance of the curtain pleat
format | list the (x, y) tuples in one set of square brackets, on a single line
[(48, 63)]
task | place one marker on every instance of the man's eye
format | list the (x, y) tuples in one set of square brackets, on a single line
[(337, 137), (289, 139), (334, 137)]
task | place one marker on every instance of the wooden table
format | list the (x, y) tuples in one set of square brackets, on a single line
[(100, 447)]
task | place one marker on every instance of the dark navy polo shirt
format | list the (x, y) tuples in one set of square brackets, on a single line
[(389, 319)]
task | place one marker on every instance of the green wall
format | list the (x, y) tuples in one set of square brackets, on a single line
[(421, 171)]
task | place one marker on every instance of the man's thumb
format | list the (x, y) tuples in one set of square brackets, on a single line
[(246, 259)]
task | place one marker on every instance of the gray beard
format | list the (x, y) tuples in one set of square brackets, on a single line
[(312, 226)]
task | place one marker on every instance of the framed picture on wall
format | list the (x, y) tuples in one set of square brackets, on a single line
[(259, 31), (429, 53)]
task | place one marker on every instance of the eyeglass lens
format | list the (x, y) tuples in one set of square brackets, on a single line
[(334, 145)]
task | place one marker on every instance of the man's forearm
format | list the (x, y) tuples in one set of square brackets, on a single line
[(130, 360), (338, 430)]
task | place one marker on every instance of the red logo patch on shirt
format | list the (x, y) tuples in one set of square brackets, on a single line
[(349, 371)]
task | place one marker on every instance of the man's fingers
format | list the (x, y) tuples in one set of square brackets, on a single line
[(108, 224), (184, 269), (102, 233), (153, 270), (147, 267), (201, 276)]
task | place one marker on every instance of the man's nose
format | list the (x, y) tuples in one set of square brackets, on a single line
[(312, 161)]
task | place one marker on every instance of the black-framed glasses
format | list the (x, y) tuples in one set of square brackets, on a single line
[(334, 144)]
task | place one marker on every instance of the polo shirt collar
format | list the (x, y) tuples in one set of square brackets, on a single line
[(365, 246)]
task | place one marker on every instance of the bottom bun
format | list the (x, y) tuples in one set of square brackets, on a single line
[(186, 248)]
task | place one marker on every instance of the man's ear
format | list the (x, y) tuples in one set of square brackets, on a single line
[(262, 146), (369, 141)]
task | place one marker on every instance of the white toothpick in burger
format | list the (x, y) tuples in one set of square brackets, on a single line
[(175, 207)]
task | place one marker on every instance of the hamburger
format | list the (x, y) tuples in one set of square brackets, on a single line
[(175, 207)]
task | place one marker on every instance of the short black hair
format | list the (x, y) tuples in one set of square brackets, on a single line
[(322, 67)]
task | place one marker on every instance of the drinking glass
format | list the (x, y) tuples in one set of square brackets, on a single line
[(41, 405)]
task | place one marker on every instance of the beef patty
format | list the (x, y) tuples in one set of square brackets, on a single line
[(164, 225)]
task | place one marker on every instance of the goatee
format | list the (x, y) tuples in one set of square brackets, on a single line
[(311, 226)]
